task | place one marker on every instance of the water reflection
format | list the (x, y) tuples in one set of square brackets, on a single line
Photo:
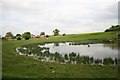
[(56, 44), (72, 54), (112, 46), (94, 50)]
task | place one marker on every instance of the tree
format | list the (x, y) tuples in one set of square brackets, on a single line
[(26, 35), (113, 28), (18, 36), (9, 35), (42, 33), (56, 32)]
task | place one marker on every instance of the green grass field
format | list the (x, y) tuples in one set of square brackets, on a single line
[(14, 66)]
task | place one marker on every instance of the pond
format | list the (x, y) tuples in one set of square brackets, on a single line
[(93, 50), (72, 53)]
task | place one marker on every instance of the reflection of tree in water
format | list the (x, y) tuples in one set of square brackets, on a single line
[(112, 46), (56, 44), (43, 54)]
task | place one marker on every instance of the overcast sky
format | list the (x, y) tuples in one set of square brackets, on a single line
[(69, 16)]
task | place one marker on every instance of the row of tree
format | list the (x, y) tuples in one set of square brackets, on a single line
[(27, 35), (113, 28)]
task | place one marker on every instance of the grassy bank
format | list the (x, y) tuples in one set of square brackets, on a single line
[(26, 67)]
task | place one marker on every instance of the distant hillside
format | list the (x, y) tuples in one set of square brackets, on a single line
[(113, 28)]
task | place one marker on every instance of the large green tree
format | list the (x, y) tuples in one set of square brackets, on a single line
[(26, 35), (56, 32), (9, 34), (42, 33)]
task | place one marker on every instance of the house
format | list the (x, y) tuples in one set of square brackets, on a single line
[(41, 36), (37, 36), (32, 36)]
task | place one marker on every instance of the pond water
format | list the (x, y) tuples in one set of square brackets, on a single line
[(92, 50)]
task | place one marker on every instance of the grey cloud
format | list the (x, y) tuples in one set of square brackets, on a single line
[(107, 13), (70, 16)]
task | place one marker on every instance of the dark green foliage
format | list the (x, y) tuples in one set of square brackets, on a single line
[(59, 57), (26, 35), (72, 56), (63, 35), (18, 36), (32, 49), (35, 50), (56, 32), (47, 36), (113, 28), (9, 34), (85, 59), (116, 61), (42, 33), (78, 59), (108, 61), (66, 57), (91, 60), (97, 61)]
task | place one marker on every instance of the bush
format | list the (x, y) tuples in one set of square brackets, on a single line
[(18, 37), (63, 35), (47, 36)]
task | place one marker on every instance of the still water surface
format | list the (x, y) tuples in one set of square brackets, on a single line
[(95, 50)]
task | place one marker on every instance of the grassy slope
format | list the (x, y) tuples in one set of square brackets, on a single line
[(23, 66)]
